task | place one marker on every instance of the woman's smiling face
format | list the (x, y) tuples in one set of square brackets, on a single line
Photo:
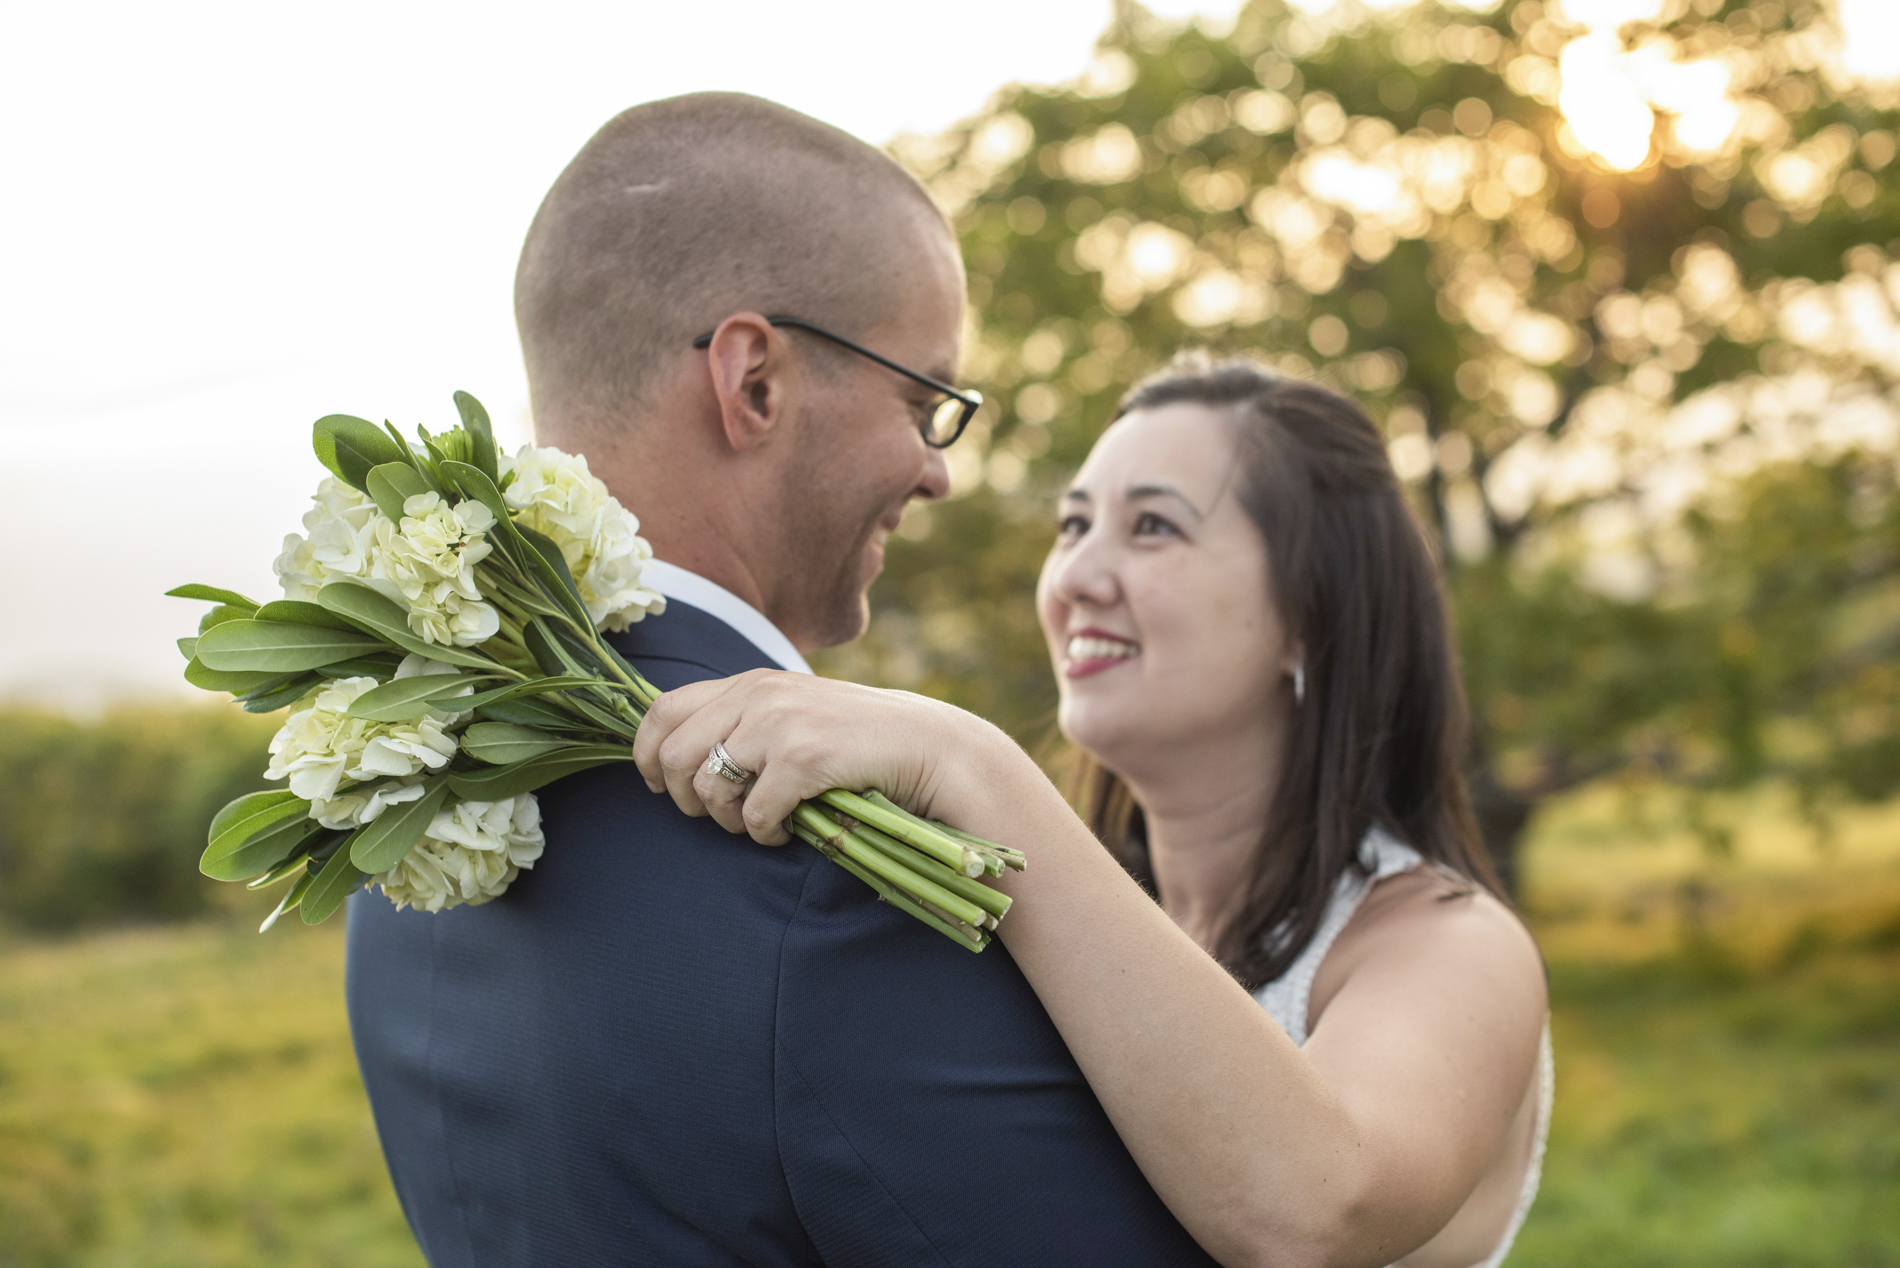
[(1156, 598)]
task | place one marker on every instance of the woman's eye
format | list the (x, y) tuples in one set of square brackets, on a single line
[(1071, 526), (1148, 524)]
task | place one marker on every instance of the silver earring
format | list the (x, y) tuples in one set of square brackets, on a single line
[(1299, 684)]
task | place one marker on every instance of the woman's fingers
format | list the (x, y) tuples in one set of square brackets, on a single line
[(723, 797), (678, 758), (768, 803), (796, 735), (664, 719)]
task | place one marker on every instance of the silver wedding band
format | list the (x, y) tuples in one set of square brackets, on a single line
[(719, 762)]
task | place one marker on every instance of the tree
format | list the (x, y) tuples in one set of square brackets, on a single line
[(1612, 293)]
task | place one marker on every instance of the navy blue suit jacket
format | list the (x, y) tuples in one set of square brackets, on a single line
[(668, 1045)]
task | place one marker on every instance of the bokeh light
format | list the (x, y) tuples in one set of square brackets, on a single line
[(1870, 31), (1602, 102)]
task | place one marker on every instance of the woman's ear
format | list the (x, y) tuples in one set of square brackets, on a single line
[(750, 364)]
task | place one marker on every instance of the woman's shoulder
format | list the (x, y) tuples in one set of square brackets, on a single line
[(1422, 928)]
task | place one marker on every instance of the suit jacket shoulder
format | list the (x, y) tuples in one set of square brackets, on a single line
[(668, 1045)]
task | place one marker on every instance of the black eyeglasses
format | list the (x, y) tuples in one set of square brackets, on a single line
[(946, 418)]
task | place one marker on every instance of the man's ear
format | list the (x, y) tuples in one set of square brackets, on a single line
[(750, 364)]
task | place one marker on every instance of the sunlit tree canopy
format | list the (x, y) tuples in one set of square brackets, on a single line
[(1616, 276)]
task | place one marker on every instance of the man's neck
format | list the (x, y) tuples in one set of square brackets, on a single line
[(682, 585)]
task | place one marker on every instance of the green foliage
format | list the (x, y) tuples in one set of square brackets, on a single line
[(187, 1098), (103, 820), (335, 881), (1723, 1118), (279, 647), (1395, 205), (369, 611), (380, 845), (353, 447), (240, 848)]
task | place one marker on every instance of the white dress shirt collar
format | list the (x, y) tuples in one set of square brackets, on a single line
[(676, 582)]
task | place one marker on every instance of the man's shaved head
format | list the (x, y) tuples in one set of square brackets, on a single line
[(681, 212)]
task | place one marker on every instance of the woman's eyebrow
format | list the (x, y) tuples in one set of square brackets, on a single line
[(1141, 491)]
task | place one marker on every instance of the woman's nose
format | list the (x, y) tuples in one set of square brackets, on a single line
[(1085, 574)]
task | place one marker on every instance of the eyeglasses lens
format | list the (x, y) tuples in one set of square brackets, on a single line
[(944, 421)]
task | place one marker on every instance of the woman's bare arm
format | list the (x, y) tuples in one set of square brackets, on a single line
[(1354, 1150)]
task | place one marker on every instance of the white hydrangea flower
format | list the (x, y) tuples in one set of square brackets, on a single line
[(321, 749), (556, 495), (413, 665), (341, 534), (427, 565), (471, 853), (359, 804)]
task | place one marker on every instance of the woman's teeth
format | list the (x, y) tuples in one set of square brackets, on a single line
[(1100, 649)]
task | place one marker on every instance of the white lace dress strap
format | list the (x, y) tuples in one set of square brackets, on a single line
[(1533, 1174), (1288, 998)]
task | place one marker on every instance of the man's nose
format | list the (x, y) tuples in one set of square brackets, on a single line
[(933, 484)]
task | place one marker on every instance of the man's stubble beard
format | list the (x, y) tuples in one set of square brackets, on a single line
[(824, 546)]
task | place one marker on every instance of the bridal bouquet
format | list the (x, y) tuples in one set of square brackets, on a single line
[(439, 644)]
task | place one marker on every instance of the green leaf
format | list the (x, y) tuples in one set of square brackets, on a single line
[(222, 613), (199, 675), (246, 837), (245, 815), (290, 900), (541, 556), (351, 447), (363, 667), (368, 610), (437, 454), (212, 593), (408, 454), (387, 840), (481, 435), (529, 712), (502, 743), (549, 561), (339, 879), (476, 484), (282, 841), (281, 647), (547, 650), (511, 781), (533, 687), (287, 692), (189, 646), (297, 612), (300, 860), (394, 483), (406, 699)]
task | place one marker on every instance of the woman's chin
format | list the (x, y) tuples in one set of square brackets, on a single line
[(1103, 729)]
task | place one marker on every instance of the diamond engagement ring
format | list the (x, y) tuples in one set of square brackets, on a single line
[(719, 762)]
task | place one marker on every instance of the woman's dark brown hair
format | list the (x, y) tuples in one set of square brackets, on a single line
[(1380, 737)]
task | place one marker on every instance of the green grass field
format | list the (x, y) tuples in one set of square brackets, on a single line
[(1727, 1030)]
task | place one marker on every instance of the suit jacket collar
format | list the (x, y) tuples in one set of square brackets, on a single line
[(691, 636)]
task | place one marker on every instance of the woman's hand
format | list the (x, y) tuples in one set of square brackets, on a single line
[(801, 736)]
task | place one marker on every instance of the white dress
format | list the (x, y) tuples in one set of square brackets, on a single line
[(1286, 999)]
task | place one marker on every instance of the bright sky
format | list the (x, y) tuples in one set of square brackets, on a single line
[(224, 220)]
